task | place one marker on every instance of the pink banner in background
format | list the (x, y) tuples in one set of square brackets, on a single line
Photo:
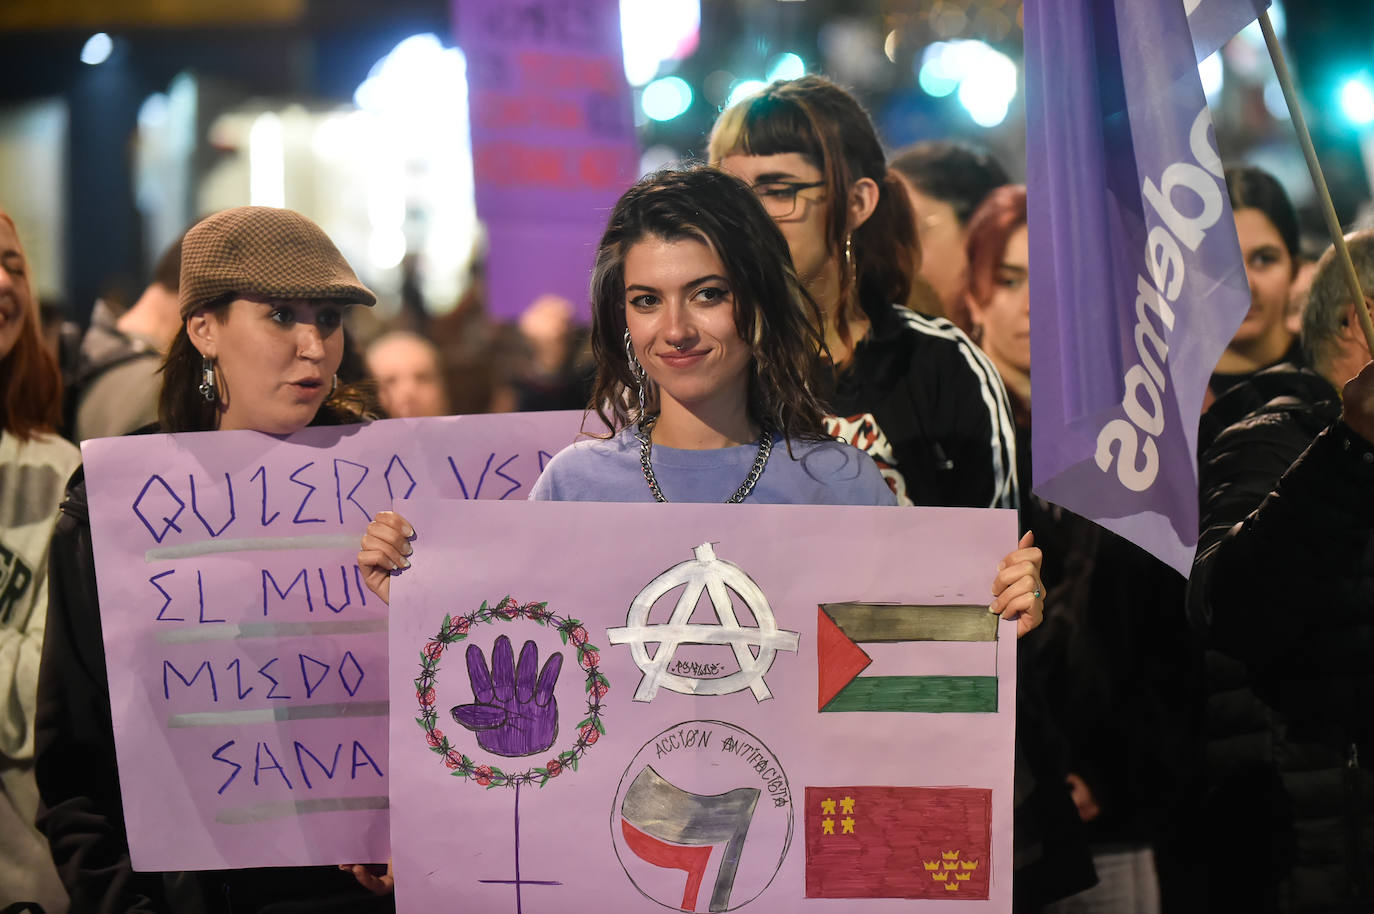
[(247, 662), (553, 140), (701, 707)]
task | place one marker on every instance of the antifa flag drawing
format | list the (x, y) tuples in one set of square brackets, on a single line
[(898, 842), (1137, 283), (919, 658), (669, 827)]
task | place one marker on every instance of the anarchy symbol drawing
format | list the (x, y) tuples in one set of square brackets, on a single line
[(717, 578)]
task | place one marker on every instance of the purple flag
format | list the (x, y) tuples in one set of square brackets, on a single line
[(553, 140), (1215, 22), (1137, 284)]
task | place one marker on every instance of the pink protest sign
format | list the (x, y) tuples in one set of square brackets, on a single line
[(701, 707), (553, 139), (247, 662)]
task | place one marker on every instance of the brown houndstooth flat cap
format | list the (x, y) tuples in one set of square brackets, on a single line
[(263, 252)]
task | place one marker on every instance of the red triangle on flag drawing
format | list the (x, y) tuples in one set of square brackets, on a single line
[(838, 659)]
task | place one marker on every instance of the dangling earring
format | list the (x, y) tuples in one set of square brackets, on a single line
[(637, 370), (333, 387), (208, 389), (849, 250)]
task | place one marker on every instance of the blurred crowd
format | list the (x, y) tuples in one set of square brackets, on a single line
[(1169, 758)]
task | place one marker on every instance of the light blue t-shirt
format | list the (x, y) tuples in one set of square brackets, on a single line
[(815, 473)]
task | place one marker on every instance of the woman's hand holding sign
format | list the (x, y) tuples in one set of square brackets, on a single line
[(385, 550)]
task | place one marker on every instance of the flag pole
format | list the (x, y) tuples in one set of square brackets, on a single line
[(1333, 224)]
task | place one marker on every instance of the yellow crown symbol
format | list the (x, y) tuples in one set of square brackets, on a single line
[(951, 886), (952, 866), (932, 864), (939, 877), (963, 877), (950, 855), (969, 864)]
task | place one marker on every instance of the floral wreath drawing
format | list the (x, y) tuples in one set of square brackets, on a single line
[(456, 629)]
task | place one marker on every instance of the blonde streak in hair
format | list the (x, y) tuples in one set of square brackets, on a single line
[(727, 134)]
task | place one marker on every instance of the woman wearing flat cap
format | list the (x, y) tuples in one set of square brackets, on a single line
[(263, 294)]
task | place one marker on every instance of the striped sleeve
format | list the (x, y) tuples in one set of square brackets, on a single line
[(987, 395)]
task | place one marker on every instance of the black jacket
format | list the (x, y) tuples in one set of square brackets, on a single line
[(921, 399), (1283, 588), (82, 812)]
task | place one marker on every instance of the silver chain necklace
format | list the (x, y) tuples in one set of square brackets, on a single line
[(644, 432)]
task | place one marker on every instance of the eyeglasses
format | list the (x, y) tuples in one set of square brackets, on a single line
[(779, 198)]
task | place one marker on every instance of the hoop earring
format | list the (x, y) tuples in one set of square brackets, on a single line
[(208, 388), (334, 386), (637, 370)]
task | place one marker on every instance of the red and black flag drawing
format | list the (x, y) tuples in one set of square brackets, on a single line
[(669, 827), (924, 658), (898, 842)]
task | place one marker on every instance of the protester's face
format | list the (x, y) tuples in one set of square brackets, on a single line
[(680, 310), (408, 378), (1005, 316), (805, 227), (14, 289), (1270, 271), (275, 360), (944, 262)]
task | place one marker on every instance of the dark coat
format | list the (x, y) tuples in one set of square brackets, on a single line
[(1283, 588)]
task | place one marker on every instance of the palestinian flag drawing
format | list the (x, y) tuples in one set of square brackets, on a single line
[(898, 842), (935, 658)]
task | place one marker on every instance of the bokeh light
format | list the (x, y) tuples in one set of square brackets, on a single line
[(1210, 71), (1357, 100), (786, 66), (97, 49), (743, 89), (984, 78), (667, 98)]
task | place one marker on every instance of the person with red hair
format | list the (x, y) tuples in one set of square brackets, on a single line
[(1114, 663), (34, 466)]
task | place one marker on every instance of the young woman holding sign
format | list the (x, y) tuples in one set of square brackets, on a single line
[(263, 293), (706, 348)]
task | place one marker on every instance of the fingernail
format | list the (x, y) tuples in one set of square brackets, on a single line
[(405, 563), (992, 607), (1001, 565), (410, 531), (410, 550)]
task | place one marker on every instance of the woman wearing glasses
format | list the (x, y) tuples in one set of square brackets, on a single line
[(912, 391), (705, 345)]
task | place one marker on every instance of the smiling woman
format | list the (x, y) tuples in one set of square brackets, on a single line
[(263, 292), (34, 466)]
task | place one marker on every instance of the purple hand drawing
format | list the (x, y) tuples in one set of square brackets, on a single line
[(512, 715)]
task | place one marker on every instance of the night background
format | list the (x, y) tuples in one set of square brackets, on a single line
[(95, 207)]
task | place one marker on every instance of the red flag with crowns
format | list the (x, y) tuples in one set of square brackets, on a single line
[(898, 842)]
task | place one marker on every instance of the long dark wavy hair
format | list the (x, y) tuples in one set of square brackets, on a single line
[(824, 124), (773, 312), (29, 376), (182, 408)]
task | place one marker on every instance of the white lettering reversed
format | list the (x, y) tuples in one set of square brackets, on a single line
[(1186, 203)]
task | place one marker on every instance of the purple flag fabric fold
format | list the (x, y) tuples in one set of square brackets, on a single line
[(1137, 283), (1215, 22)]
